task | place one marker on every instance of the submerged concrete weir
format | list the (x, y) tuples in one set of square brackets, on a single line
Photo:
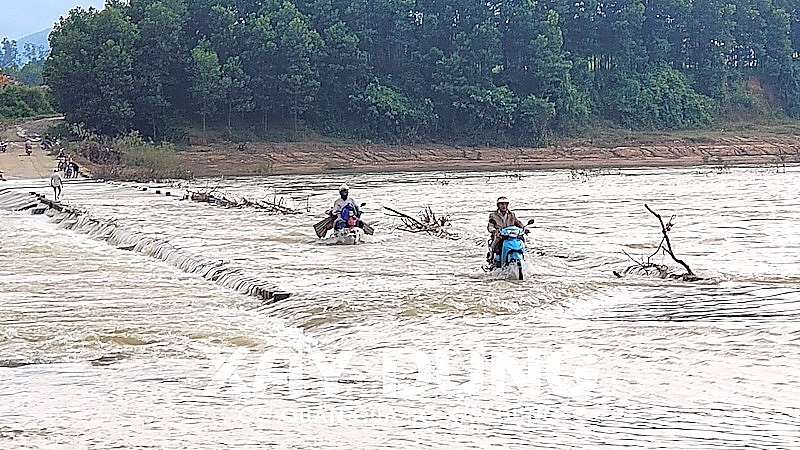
[(17, 201), (69, 218)]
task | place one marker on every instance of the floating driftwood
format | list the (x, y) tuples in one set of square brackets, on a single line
[(427, 223), (585, 174), (665, 246), (275, 206)]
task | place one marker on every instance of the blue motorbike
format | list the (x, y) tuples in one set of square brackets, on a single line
[(512, 249), (349, 230)]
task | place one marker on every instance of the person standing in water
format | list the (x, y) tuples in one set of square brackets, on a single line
[(55, 183)]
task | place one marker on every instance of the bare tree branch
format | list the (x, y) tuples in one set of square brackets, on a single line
[(428, 222), (662, 271), (664, 230)]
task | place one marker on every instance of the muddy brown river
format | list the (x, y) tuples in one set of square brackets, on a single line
[(118, 335)]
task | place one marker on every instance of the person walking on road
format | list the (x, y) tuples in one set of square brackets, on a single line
[(55, 183)]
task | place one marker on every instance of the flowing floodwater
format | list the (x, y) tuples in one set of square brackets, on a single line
[(135, 323)]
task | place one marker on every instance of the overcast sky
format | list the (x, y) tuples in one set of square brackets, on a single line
[(19, 18)]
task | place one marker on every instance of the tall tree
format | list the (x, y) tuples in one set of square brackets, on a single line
[(343, 72), (535, 62), (257, 37), (300, 51), (709, 36), (8, 52), (162, 58), (90, 68), (208, 85), (780, 65), (238, 97), (665, 31)]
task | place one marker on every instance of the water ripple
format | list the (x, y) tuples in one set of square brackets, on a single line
[(404, 341)]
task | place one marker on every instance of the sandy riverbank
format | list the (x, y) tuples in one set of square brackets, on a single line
[(313, 158), (320, 157)]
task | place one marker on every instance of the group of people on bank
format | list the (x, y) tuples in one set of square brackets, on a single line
[(67, 165)]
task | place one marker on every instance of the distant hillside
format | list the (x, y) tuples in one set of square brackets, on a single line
[(23, 18), (38, 38)]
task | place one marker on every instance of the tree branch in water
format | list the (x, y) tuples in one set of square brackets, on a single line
[(428, 223), (649, 268)]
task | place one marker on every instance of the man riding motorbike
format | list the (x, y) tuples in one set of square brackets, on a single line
[(499, 219), (346, 210)]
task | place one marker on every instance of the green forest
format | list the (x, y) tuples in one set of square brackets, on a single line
[(514, 72), (26, 99)]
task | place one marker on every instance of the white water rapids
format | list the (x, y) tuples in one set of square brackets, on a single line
[(138, 322)]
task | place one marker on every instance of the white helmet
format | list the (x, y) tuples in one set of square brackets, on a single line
[(344, 187)]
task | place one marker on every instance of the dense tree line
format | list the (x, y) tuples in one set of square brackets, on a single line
[(17, 102), (514, 71)]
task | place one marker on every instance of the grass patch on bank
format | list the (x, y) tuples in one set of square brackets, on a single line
[(146, 160), (160, 156)]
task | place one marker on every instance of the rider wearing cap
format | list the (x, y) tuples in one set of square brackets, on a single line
[(345, 202), (498, 220)]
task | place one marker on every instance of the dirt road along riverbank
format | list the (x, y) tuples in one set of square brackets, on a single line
[(14, 163)]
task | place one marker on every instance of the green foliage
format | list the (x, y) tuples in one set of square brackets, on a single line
[(23, 101), (161, 60), (534, 115), (741, 103), (208, 84), (90, 69), (29, 74), (490, 113), (661, 98), (61, 131), (791, 91), (153, 161), (500, 115), (517, 72), (391, 115)]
